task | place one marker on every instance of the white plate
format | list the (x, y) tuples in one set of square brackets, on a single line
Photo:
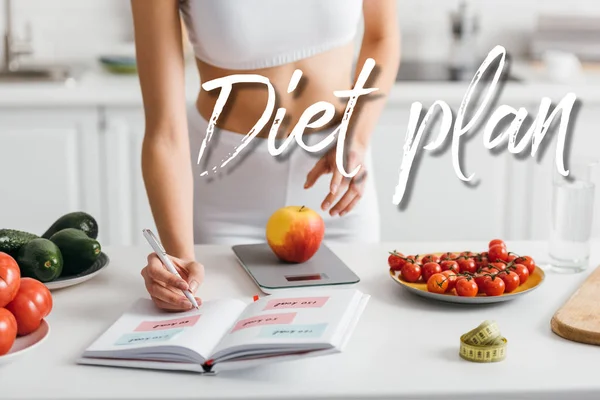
[(25, 344), (63, 282)]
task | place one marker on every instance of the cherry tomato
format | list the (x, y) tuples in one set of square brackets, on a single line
[(511, 280), (497, 267), (30, 306), (483, 254), (396, 261), (467, 265), (466, 287), (481, 262), (495, 242), (437, 283), (448, 256), (450, 265), (452, 278), (511, 257), (494, 286), (430, 258), (523, 273), (412, 258), (468, 254), (430, 269), (411, 272), (497, 252), (527, 262), (10, 279), (8, 330), (482, 276)]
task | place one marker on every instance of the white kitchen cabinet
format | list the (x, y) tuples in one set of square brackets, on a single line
[(49, 160), (437, 205), (127, 201)]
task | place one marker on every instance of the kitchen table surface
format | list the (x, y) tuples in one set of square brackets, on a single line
[(404, 347)]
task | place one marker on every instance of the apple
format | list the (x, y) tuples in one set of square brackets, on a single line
[(295, 233)]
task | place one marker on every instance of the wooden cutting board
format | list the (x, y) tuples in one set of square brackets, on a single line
[(579, 319)]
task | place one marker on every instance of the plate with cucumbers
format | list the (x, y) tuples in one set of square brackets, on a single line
[(67, 254)]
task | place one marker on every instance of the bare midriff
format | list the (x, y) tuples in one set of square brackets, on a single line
[(321, 76)]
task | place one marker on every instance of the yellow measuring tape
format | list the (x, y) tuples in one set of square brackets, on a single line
[(483, 344)]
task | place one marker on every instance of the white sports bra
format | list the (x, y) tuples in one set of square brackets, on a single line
[(254, 34)]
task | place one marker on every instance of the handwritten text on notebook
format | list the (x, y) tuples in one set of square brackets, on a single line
[(300, 302), (270, 319), (293, 331), (167, 324), (147, 337)]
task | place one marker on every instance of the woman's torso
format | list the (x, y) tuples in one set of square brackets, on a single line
[(273, 38)]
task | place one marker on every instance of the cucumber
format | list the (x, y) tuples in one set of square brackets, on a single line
[(11, 240), (78, 250), (40, 259), (78, 220)]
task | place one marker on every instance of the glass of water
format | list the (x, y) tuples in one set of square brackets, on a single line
[(572, 217)]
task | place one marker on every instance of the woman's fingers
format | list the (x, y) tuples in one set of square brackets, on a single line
[(158, 272), (320, 168), (195, 272)]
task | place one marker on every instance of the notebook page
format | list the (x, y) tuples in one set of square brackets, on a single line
[(298, 319), (145, 329)]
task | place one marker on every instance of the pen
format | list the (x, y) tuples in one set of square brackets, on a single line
[(162, 254)]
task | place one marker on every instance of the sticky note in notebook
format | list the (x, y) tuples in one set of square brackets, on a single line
[(147, 337), (168, 324), (299, 302), (268, 319)]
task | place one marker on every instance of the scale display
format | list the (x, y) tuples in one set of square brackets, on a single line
[(270, 273)]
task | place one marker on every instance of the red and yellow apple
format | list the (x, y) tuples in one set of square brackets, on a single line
[(295, 233)]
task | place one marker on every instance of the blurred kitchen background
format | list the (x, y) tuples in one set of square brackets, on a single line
[(71, 117)]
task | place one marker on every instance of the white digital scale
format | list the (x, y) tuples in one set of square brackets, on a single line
[(272, 275)]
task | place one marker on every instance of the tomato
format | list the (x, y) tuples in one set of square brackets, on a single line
[(497, 267), (448, 256), (466, 287), (483, 254), (8, 330), (481, 262), (396, 261), (497, 252), (450, 265), (523, 273), (430, 269), (452, 278), (494, 286), (411, 272), (467, 265), (496, 242), (468, 254), (412, 258), (430, 258), (482, 276), (10, 279), (437, 283), (527, 262), (30, 306), (511, 280)]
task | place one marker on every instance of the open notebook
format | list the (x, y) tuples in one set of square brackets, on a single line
[(229, 334)]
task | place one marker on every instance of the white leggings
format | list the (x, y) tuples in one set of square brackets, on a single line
[(232, 204)]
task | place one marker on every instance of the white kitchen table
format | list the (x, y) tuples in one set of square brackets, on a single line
[(404, 347)]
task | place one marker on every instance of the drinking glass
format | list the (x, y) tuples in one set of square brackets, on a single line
[(572, 216)]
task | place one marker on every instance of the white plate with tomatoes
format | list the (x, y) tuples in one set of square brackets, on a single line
[(467, 277), (25, 344), (24, 305)]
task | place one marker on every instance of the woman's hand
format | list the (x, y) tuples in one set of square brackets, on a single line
[(350, 189), (165, 288)]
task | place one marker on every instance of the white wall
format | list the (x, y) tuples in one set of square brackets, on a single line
[(81, 29)]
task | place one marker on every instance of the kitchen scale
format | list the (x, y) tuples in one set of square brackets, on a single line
[(271, 274)]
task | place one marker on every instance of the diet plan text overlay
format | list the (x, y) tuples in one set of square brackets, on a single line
[(535, 134)]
